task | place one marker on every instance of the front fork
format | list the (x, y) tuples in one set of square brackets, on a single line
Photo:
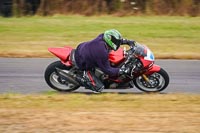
[(155, 68), (145, 78)]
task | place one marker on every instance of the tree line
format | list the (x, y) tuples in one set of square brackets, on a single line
[(99, 7)]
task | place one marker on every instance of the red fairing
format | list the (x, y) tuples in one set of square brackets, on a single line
[(145, 63), (116, 57), (153, 69), (63, 53)]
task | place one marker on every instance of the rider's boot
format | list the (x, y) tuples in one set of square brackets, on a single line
[(90, 81)]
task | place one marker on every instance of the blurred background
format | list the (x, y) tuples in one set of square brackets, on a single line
[(19, 8), (29, 27)]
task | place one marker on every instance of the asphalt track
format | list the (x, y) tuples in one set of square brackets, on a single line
[(25, 75)]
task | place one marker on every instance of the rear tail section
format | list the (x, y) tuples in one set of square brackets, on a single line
[(61, 52)]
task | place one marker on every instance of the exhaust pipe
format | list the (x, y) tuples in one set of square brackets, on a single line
[(68, 77)]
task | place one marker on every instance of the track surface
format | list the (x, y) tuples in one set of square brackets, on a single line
[(25, 75)]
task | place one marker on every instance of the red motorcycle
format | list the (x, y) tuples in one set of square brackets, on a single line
[(144, 74)]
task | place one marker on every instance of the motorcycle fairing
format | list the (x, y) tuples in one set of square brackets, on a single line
[(153, 69), (146, 63), (62, 53), (149, 55), (148, 58), (116, 57)]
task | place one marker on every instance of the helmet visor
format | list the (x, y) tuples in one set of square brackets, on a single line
[(117, 42)]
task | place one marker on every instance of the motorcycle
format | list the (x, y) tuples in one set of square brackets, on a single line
[(144, 74)]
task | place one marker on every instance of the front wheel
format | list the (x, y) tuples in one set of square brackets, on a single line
[(55, 81), (158, 82)]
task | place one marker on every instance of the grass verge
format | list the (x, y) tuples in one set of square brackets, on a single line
[(109, 113), (168, 37)]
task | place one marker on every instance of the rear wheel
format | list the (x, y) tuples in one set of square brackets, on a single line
[(158, 82), (55, 81)]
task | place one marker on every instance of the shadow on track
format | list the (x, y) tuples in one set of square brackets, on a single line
[(92, 93)]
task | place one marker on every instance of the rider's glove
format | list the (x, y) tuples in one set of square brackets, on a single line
[(129, 42), (124, 71)]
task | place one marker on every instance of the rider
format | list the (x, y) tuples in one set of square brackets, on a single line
[(94, 53)]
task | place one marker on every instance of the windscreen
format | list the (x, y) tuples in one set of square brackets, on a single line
[(140, 50)]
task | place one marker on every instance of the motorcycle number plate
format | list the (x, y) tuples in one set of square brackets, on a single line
[(149, 56)]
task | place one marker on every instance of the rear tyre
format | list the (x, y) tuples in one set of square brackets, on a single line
[(55, 81), (159, 81)]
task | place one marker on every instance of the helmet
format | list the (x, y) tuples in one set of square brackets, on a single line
[(113, 38)]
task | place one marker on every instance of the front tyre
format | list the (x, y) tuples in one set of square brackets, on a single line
[(158, 82), (55, 81)]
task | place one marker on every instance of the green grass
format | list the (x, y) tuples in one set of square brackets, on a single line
[(112, 113), (122, 102), (168, 37)]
